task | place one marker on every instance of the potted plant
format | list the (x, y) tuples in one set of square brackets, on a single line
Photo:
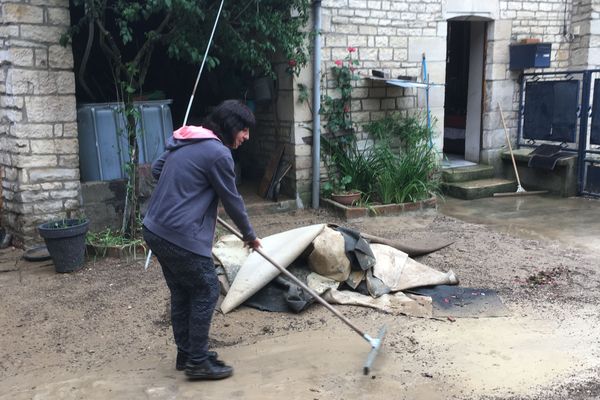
[(65, 240), (340, 190)]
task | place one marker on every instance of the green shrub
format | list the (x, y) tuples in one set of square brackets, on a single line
[(407, 164), (400, 166), (347, 163), (111, 238)]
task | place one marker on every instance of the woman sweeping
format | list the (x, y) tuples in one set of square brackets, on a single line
[(195, 172)]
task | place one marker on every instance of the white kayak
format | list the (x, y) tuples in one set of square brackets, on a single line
[(256, 272)]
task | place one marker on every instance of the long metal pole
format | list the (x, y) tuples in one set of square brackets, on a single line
[(426, 81), (187, 113), (583, 126), (316, 125)]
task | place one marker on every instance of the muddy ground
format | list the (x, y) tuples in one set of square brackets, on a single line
[(103, 332)]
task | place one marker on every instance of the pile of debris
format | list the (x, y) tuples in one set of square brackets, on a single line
[(341, 265)]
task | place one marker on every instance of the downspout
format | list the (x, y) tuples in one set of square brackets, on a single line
[(316, 125)]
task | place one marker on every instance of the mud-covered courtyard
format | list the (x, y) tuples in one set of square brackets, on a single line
[(103, 332)]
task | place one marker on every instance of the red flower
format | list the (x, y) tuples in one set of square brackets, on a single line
[(338, 63), (346, 108), (292, 63), (351, 49)]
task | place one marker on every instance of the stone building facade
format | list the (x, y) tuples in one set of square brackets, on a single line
[(38, 129), (392, 36)]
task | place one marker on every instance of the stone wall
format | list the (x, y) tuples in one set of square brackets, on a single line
[(585, 33), (38, 129), (392, 35), (565, 24), (388, 35), (38, 132)]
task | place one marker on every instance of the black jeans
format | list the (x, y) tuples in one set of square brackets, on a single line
[(194, 287)]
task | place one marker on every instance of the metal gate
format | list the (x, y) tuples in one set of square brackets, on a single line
[(564, 107)]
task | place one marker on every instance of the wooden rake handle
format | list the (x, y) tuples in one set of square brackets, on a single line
[(512, 156)]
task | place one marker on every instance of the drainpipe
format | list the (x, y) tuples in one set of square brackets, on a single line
[(316, 125)]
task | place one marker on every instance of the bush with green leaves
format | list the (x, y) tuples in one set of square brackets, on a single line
[(346, 159), (400, 166), (406, 162)]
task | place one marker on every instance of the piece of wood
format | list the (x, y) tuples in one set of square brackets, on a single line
[(270, 172), (282, 170), (412, 248), (529, 41)]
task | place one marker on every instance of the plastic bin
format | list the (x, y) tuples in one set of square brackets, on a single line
[(103, 150)]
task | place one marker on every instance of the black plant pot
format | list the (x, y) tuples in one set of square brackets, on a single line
[(65, 240)]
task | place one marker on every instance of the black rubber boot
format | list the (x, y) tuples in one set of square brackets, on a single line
[(182, 360), (207, 370)]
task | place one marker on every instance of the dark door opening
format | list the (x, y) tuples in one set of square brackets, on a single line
[(457, 84)]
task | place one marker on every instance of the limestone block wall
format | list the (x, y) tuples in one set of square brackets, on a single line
[(594, 35), (38, 130), (585, 34), (390, 36)]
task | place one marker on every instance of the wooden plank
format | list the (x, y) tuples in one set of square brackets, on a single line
[(267, 178), (282, 170)]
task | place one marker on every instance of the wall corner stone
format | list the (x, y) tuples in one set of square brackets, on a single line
[(40, 164)]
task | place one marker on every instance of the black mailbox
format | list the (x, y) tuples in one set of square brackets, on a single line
[(536, 55)]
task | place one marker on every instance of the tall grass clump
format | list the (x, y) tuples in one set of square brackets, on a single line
[(406, 164), (398, 166)]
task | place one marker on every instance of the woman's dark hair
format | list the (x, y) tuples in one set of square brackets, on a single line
[(228, 118)]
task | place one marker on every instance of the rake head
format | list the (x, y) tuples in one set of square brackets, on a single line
[(376, 344)]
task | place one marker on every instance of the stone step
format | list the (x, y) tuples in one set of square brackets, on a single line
[(479, 188), (468, 173)]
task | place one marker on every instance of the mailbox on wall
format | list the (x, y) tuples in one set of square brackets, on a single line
[(534, 55)]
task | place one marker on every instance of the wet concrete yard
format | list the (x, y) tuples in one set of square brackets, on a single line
[(573, 221)]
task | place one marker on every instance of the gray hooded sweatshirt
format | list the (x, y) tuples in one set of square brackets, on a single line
[(193, 174)]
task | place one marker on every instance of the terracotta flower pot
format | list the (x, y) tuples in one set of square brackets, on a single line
[(346, 199)]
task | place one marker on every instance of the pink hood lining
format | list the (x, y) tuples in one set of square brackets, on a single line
[(194, 132)]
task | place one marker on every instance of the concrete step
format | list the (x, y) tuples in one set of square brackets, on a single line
[(257, 206), (469, 173), (265, 207), (479, 188)]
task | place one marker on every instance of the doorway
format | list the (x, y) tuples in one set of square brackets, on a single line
[(465, 60)]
